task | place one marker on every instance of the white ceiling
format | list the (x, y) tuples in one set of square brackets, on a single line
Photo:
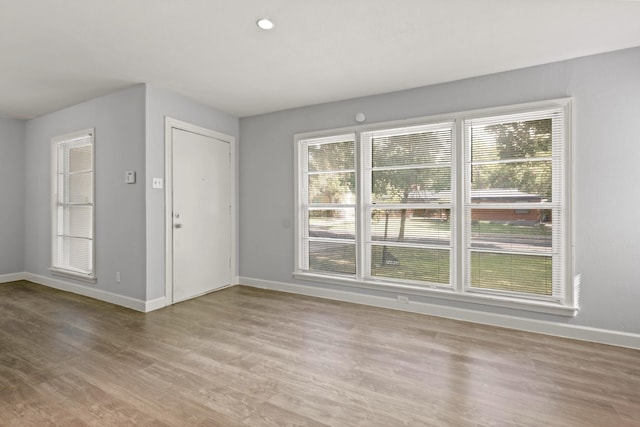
[(56, 53)]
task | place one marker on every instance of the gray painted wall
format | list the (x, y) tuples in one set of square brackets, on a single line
[(12, 196), (119, 121), (606, 92), (161, 103)]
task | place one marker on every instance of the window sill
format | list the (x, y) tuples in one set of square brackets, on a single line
[(73, 275), (474, 298)]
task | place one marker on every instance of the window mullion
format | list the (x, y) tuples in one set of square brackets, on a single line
[(458, 212), (363, 234)]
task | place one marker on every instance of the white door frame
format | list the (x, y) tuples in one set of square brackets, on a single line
[(170, 124)]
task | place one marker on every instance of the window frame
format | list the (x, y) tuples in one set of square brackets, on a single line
[(55, 268), (565, 306)]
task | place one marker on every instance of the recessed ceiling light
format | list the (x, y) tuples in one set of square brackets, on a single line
[(265, 24)]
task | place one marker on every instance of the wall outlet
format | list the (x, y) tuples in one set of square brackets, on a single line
[(157, 183), (403, 299)]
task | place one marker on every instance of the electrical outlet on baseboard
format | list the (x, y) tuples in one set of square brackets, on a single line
[(403, 299)]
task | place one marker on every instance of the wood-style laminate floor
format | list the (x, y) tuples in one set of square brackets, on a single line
[(244, 356)]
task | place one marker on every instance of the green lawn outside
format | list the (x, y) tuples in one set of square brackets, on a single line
[(332, 257), (425, 265), (488, 227), (516, 273)]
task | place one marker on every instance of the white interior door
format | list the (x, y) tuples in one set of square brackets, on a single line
[(201, 186)]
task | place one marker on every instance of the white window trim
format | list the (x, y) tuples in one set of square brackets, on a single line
[(567, 307), (57, 271)]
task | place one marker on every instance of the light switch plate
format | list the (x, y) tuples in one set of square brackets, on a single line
[(157, 182), (130, 177)]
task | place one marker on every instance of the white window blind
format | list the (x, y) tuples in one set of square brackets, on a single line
[(407, 204), (73, 204), (327, 205), (514, 204)]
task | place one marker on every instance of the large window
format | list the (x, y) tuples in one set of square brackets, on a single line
[(475, 207), (73, 205)]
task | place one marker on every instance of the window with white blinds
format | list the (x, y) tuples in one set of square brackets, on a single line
[(328, 204), (407, 204), (515, 204), (73, 204), (474, 207)]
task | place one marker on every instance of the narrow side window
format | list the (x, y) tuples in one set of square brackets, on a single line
[(72, 246), (327, 205)]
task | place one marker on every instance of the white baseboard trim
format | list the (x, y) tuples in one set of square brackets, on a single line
[(121, 300), (582, 333), (12, 277), (155, 304)]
